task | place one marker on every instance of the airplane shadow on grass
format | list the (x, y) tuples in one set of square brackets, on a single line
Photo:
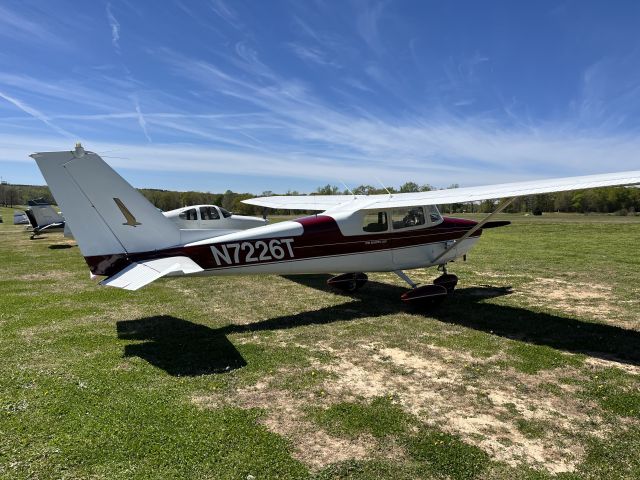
[(184, 348), (180, 347)]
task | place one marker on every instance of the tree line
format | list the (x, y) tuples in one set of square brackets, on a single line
[(617, 200)]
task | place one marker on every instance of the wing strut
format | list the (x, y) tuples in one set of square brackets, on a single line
[(504, 204)]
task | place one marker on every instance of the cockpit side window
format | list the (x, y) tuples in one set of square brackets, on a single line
[(375, 222), (407, 217), (209, 213), (225, 213), (190, 214)]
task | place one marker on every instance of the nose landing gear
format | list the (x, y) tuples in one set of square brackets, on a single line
[(447, 280), (429, 295)]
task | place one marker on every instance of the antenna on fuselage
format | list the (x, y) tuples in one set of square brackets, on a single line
[(380, 182), (348, 189)]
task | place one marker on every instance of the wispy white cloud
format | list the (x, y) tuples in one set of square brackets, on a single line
[(115, 27), (35, 114), (140, 117), (305, 28), (225, 12), (467, 67), (99, 92), (289, 130), (15, 25), (311, 55), (248, 61), (496, 156), (416, 143), (610, 92), (355, 83), (328, 41), (367, 20)]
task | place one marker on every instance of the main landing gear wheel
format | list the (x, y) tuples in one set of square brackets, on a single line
[(348, 282)]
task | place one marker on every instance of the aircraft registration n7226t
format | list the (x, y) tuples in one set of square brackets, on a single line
[(124, 238)]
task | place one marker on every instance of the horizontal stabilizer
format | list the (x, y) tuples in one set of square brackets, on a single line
[(139, 274)]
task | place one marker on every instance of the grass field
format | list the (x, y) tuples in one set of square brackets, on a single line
[(531, 370)]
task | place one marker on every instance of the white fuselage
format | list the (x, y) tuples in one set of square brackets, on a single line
[(330, 243)]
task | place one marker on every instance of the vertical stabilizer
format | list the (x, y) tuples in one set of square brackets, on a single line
[(105, 213)]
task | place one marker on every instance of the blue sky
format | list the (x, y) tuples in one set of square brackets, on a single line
[(279, 95)]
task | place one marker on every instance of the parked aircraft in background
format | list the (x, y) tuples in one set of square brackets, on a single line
[(20, 218), (125, 238), (43, 217), (211, 217)]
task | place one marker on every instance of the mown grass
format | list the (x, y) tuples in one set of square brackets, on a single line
[(98, 382), (380, 418)]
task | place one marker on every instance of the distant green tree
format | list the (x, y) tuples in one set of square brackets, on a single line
[(242, 208), (365, 190), (328, 190), (409, 187), (562, 202), (487, 206), (228, 200)]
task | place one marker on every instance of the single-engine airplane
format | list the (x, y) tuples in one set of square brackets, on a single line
[(20, 218), (43, 218), (125, 238)]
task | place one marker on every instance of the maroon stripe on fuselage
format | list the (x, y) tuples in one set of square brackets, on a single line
[(321, 238)]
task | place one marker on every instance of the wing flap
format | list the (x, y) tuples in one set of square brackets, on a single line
[(139, 274)]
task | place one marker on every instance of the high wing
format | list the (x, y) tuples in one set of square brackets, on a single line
[(444, 197), (305, 202)]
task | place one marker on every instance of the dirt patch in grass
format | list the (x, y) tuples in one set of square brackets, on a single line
[(285, 415), (433, 389), (504, 412), (613, 363), (577, 298)]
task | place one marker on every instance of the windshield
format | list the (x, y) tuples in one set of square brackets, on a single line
[(433, 214)]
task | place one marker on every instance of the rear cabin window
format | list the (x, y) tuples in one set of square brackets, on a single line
[(209, 213), (225, 213), (407, 217), (190, 214), (375, 222)]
